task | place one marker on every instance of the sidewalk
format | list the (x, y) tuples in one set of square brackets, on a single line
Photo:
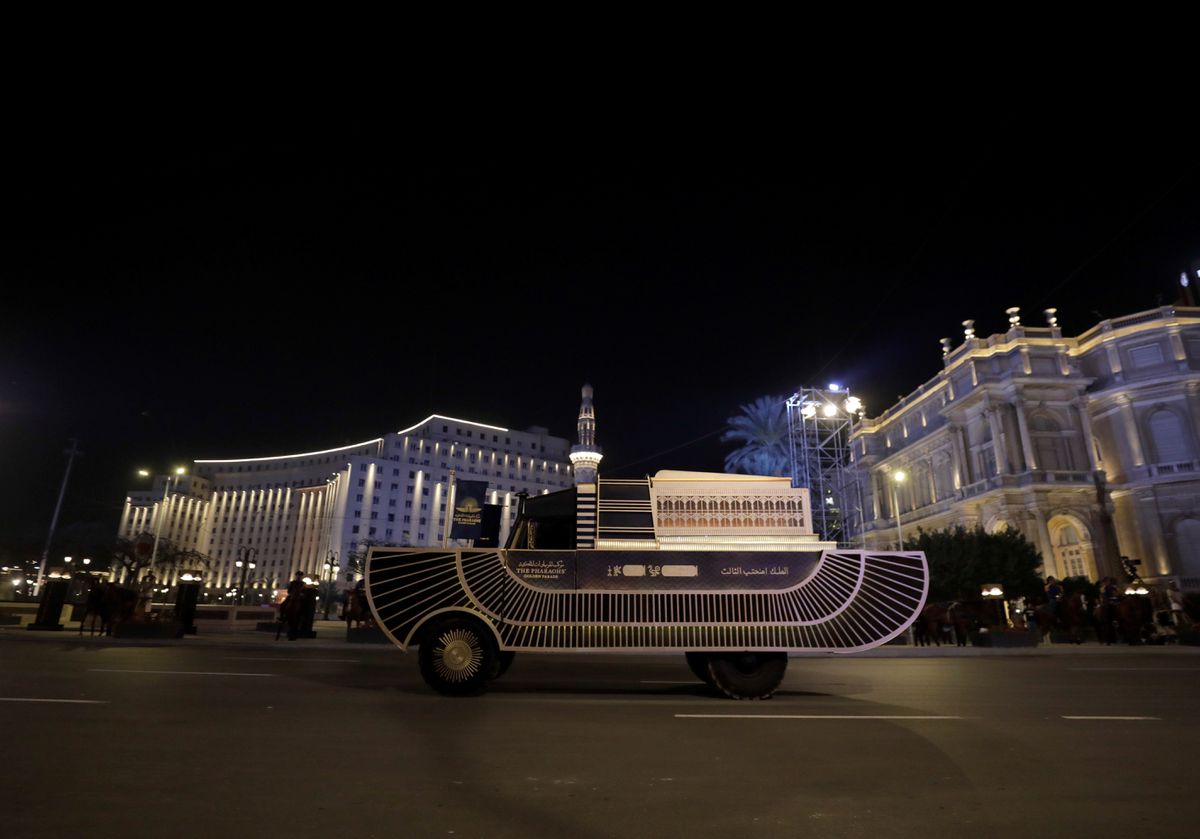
[(330, 634)]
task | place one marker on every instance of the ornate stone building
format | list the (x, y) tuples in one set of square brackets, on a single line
[(1088, 445)]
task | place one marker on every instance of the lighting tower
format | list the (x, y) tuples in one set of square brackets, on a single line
[(585, 455), (819, 426)]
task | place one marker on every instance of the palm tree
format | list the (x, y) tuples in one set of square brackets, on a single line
[(762, 429)]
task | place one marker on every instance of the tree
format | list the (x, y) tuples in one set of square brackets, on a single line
[(762, 430), (356, 560), (961, 561), (132, 555)]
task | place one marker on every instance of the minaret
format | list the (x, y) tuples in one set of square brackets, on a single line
[(585, 455)]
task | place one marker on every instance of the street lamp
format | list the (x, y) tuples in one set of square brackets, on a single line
[(329, 568), (162, 513), (245, 564), (898, 477), (994, 592)]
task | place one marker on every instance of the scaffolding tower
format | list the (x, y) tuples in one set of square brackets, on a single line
[(820, 422)]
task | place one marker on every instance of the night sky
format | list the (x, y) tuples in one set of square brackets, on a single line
[(180, 291)]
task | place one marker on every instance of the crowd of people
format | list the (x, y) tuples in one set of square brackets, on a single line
[(1166, 614)]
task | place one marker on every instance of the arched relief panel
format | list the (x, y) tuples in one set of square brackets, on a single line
[(1166, 430)]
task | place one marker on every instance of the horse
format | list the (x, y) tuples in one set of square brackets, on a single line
[(1134, 612), (291, 614), (357, 611), (1123, 619), (109, 602), (1067, 618), (937, 618), (94, 606)]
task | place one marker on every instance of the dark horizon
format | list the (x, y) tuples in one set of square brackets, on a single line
[(172, 301)]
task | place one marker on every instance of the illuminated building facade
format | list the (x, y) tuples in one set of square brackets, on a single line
[(291, 513), (1090, 446)]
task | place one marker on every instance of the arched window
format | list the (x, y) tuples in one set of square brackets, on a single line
[(922, 489), (1074, 555), (943, 480), (1187, 543), (1168, 438), (1049, 446)]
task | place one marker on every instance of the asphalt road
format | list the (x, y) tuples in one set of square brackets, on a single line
[(338, 741)]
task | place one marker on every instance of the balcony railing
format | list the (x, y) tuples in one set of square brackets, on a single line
[(1180, 467), (1036, 476)]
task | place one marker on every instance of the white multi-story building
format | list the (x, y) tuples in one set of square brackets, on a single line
[(1090, 446), (297, 512)]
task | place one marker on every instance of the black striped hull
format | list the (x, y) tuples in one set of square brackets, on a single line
[(848, 601)]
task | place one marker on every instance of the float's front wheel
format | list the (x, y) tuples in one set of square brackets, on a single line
[(458, 656), (747, 675)]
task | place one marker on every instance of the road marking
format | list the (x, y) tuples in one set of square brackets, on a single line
[(176, 672), (1065, 717), (62, 701), (814, 717), (293, 658), (1135, 669)]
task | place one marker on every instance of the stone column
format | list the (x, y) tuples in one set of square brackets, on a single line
[(959, 435), (1132, 434), (999, 449), (1192, 389), (1085, 425), (1026, 443), (1043, 541)]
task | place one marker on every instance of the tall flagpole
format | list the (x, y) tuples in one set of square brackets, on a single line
[(449, 509), (71, 454)]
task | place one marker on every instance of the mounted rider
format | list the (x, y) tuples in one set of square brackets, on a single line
[(1054, 595)]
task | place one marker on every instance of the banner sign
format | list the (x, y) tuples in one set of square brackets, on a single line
[(489, 536), (662, 571), (693, 570), (468, 509)]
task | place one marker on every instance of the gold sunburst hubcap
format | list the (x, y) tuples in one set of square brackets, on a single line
[(458, 655)]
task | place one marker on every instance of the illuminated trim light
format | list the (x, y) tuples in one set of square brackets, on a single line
[(289, 456), (450, 419)]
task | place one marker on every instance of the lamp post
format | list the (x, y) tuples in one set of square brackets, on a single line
[(245, 564), (331, 568), (995, 592), (162, 512), (898, 477)]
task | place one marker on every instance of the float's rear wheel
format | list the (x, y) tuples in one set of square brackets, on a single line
[(698, 664), (458, 656), (747, 675), (504, 660)]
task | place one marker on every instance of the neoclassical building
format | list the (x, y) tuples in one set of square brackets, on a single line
[(1089, 445), (296, 512)]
